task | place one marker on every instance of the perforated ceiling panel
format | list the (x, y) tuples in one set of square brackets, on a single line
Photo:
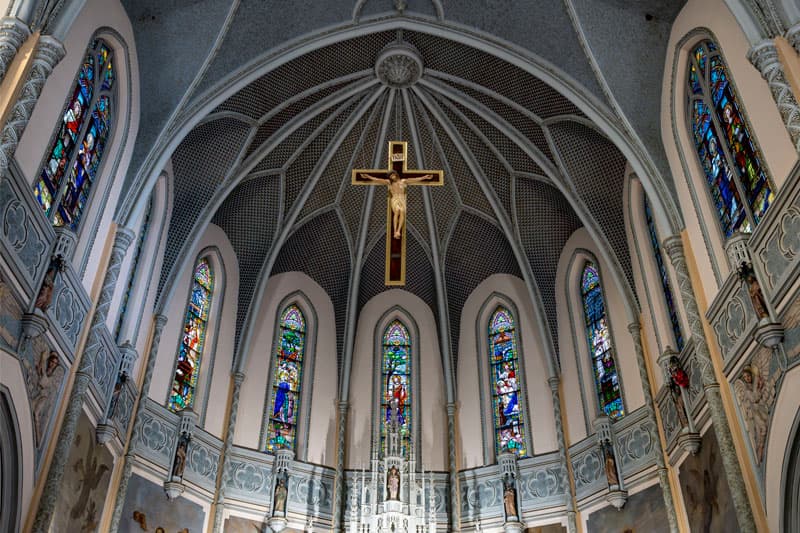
[(255, 199), (319, 248), (476, 251), (597, 167), (198, 172), (545, 221)]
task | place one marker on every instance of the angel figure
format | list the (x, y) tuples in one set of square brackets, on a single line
[(43, 383), (755, 391)]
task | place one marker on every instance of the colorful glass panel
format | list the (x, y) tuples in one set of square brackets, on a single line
[(195, 328), (599, 337), (728, 154), (80, 141), (662, 272), (396, 382), (287, 380), (506, 381), (137, 254)]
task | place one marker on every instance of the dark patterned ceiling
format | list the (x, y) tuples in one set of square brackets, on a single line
[(524, 168)]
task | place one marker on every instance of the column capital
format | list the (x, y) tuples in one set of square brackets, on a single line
[(49, 51), (673, 245), (160, 322), (451, 408), (553, 381), (123, 239), (343, 405), (763, 55), (635, 329), (238, 378), (13, 32), (793, 36)]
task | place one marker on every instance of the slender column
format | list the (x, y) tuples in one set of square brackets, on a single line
[(455, 515), (55, 475), (49, 51), (733, 472), (663, 478), (238, 378), (764, 56), (793, 36), (338, 483), (138, 420), (13, 32), (569, 495)]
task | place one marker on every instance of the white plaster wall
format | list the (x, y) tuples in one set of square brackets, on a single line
[(778, 443), (11, 377), (473, 358), (221, 337), (321, 346), (762, 113), (425, 350), (572, 338), (35, 142)]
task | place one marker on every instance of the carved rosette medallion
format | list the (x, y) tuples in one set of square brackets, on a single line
[(399, 65)]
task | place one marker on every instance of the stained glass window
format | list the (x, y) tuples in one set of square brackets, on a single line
[(287, 379), (506, 382), (600, 346), (396, 382), (137, 254), (80, 141), (195, 328), (662, 273), (731, 161)]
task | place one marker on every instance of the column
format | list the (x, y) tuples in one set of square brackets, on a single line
[(733, 472), (238, 378), (793, 36), (455, 515), (55, 475), (663, 477), (49, 51), (569, 495), (338, 484), (13, 32), (127, 468), (764, 56)]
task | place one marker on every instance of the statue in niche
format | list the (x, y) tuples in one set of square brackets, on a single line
[(393, 483), (43, 383), (179, 464), (510, 498), (678, 379), (748, 276), (755, 391), (610, 463), (45, 297), (279, 498), (112, 406)]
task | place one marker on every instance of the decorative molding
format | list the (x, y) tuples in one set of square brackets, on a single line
[(13, 32)]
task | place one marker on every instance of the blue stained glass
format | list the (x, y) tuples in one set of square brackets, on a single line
[(506, 382), (396, 382)]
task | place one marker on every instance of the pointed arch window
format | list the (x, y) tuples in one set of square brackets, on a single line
[(72, 163), (740, 187), (506, 380), (599, 336), (396, 382), (195, 328), (662, 273), (287, 380)]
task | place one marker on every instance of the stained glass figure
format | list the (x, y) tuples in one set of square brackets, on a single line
[(662, 272), (740, 187), (195, 328), (506, 381), (71, 167), (599, 337), (396, 382), (284, 404), (137, 254)]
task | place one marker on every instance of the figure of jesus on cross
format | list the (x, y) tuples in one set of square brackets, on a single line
[(396, 178)]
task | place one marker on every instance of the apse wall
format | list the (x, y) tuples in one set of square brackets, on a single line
[(317, 420), (578, 389), (432, 414), (216, 362), (475, 444)]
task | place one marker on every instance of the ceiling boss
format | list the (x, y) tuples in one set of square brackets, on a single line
[(396, 177)]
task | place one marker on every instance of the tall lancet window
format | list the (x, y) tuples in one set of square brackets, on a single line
[(731, 160), (287, 379), (662, 273), (600, 346), (195, 327), (506, 379), (71, 165), (396, 382)]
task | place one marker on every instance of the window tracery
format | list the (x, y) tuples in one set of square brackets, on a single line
[(505, 379)]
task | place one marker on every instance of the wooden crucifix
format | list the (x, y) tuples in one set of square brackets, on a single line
[(396, 178)]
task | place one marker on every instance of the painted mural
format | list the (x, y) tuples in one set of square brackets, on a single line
[(791, 337), (755, 390), (85, 485), (10, 315), (550, 528), (237, 524), (706, 495), (644, 511), (148, 509)]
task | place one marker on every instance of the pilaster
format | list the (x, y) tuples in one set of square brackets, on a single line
[(764, 56), (452, 465), (238, 379), (338, 483), (566, 478)]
